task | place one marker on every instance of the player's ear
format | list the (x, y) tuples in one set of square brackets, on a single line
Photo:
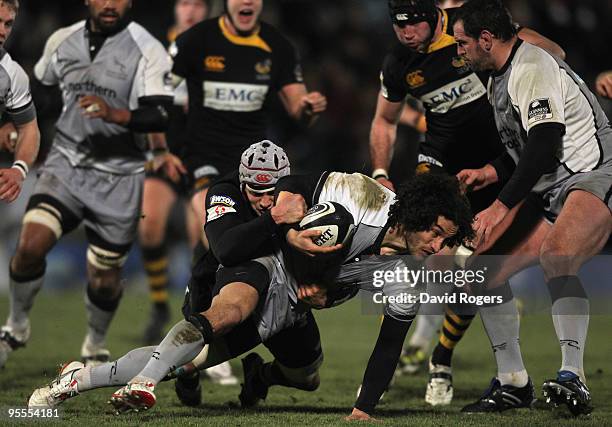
[(486, 40)]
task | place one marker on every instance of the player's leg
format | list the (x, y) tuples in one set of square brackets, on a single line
[(48, 216), (297, 358), (580, 232), (521, 242), (103, 293), (112, 211), (158, 199)]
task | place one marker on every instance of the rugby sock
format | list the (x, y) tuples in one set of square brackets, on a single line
[(116, 373), (501, 322), (570, 313), (156, 267), (182, 344), (453, 328), (100, 312), (23, 289)]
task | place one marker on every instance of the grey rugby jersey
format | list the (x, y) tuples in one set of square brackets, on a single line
[(535, 87), (15, 97), (129, 66)]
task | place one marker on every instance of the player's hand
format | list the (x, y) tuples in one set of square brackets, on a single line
[(313, 103), (303, 242), (8, 137), (359, 415), (11, 180), (170, 165), (290, 208), (476, 179), (603, 84), (94, 107), (313, 295), (386, 183), (485, 221)]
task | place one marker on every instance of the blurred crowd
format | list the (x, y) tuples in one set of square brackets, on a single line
[(342, 44)]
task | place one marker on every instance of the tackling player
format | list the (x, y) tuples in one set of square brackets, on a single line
[(23, 138), (559, 148), (111, 73)]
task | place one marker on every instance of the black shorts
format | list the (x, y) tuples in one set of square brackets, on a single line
[(206, 282), (203, 171), (296, 347)]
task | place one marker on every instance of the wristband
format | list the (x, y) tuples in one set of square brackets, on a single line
[(380, 173), (22, 167)]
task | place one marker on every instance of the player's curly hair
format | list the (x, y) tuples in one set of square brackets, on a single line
[(421, 200)]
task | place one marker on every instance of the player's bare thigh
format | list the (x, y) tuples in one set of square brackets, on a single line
[(580, 232)]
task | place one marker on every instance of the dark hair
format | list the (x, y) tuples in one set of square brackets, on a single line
[(490, 15), (11, 3), (425, 197)]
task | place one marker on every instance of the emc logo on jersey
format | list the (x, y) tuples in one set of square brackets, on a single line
[(214, 63)]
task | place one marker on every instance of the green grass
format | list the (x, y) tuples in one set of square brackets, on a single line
[(347, 336)]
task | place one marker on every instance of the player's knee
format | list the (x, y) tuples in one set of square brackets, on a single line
[(102, 260), (151, 233), (304, 378), (29, 256), (555, 261)]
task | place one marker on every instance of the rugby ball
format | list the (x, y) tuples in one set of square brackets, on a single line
[(333, 220)]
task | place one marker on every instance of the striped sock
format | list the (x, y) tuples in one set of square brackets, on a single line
[(453, 328), (156, 267)]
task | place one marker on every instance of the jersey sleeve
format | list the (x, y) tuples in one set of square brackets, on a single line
[(232, 239), (45, 69), (536, 91), (154, 66), (18, 102), (288, 62), (183, 56), (391, 85)]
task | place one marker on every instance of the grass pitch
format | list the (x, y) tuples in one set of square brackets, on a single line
[(348, 337)]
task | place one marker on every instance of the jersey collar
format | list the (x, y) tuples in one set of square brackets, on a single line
[(503, 69), (253, 40), (445, 39)]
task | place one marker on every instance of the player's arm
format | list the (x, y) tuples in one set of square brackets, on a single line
[(382, 363), (233, 240), (414, 118), (603, 84), (150, 116), (382, 137), (537, 39), (302, 105)]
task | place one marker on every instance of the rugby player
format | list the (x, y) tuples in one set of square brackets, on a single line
[(460, 134), (258, 300), (160, 193), (111, 73), (559, 149), (22, 138)]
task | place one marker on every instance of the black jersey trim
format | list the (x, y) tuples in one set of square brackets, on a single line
[(319, 187), (503, 69)]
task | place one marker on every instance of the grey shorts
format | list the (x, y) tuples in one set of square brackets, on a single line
[(108, 204), (597, 182), (279, 309)]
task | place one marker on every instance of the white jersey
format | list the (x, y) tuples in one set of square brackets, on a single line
[(129, 67), (535, 87), (15, 97), (367, 200)]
